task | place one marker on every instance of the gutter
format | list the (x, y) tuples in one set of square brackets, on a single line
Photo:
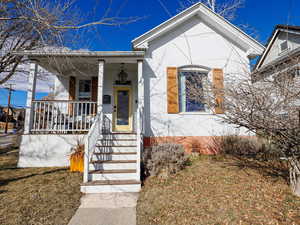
[(139, 54)]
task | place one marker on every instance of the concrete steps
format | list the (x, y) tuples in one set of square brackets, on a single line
[(107, 186), (114, 156), (113, 165), (113, 175)]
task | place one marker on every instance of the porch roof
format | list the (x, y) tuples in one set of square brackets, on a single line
[(80, 62), (83, 53)]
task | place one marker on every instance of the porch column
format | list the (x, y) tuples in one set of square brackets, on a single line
[(100, 86), (140, 117), (30, 96), (140, 84)]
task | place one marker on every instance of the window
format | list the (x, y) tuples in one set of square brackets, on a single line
[(284, 46), (84, 94), (192, 90), (297, 72), (85, 87)]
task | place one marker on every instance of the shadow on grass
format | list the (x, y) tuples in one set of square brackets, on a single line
[(7, 150), (269, 168), (7, 181)]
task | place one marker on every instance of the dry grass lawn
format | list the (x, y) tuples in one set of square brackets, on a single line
[(224, 191), (37, 196)]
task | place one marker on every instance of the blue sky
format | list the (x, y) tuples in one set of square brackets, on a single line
[(261, 15)]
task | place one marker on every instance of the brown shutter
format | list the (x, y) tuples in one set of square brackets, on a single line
[(72, 88), (218, 83), (72, 93), (94, 89), (172, 89)]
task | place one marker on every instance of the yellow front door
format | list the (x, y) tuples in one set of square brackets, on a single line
[(122, 115)]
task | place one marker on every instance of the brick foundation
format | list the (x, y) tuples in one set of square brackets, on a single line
[(201, 144)]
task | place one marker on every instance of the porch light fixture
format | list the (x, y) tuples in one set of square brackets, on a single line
[(122, 75)]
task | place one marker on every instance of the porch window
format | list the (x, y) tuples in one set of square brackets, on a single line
[(85, 87), (191, 90), (84, 94)]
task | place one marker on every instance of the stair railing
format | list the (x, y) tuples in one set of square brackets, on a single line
[(140, 137), (90, 143)]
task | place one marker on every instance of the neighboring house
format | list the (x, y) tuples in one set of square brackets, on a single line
[(282, 53), (14, 116), (121, 101)]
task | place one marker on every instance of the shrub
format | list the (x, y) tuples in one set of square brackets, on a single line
[(244, 146), (163, 159)]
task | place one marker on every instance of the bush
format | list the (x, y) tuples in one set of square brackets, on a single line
[(163, 159), (245, 147)]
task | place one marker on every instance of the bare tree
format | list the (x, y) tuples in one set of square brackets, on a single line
[(227, 8), (35, 24), (267, 103)]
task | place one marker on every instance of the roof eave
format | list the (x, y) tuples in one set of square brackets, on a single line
[(282, 59), (142, 41), (82, 53)]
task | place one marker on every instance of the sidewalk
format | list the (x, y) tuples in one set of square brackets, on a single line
[(106, 209)]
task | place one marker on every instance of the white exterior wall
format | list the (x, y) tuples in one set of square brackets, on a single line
[(191, 43), (47, 150), (61, 88)]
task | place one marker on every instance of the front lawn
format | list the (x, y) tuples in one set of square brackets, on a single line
[(219, 192), (37, 196)]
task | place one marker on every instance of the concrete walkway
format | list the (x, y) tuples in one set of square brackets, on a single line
[(106, 209)]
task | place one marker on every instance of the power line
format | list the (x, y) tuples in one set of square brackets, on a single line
[(165, 8)]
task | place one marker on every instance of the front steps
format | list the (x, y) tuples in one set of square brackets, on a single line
[(113, 165), (108, 186)]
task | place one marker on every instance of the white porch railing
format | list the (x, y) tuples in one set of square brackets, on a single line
[(90, 143), (59, 116)]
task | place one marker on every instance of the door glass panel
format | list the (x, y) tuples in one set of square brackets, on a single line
[(123, 107)]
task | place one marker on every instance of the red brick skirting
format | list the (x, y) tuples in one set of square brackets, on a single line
[(201, 144)]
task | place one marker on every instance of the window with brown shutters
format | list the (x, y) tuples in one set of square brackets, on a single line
[(218, 86)]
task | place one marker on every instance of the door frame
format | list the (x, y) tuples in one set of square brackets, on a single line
[(122, 128)]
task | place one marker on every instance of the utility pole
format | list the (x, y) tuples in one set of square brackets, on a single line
[(8, 106)]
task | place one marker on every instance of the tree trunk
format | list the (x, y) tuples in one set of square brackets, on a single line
[(295, 176)]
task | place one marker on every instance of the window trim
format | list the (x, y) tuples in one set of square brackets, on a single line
[(285, 50), (78, 90), (192, 68)]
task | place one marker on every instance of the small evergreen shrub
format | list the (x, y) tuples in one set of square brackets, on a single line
[(163, 159)]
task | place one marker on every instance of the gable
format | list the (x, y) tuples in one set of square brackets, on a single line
[(218, 23), (195, 42), (274, 51)]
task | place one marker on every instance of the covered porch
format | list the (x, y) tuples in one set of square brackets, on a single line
[(87, 84)]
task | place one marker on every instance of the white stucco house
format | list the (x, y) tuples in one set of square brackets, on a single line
[(118, 102)]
